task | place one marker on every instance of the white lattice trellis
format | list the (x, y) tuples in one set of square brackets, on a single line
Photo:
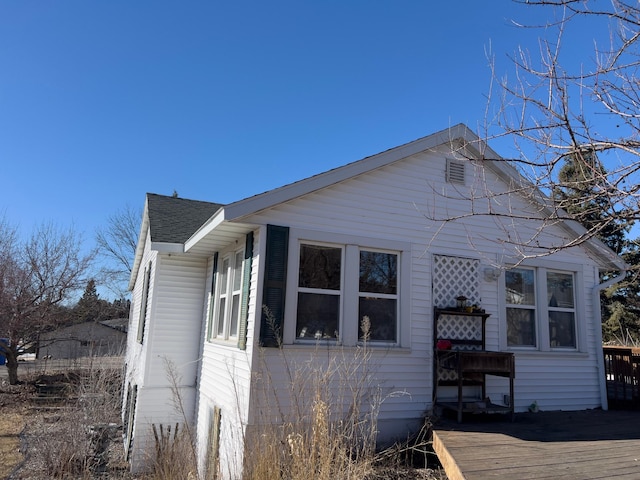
[(455, 276), (452, 277)]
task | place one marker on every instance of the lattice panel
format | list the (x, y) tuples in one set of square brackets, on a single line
[(459, 327), (455, 276)]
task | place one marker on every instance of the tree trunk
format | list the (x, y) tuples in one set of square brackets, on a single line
[(12, 366)]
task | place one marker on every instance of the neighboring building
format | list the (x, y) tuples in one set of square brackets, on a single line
[(87, 339), (228, 298)]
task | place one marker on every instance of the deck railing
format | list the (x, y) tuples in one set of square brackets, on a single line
[(622, 369)]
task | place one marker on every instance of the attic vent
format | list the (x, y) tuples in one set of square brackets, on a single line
[(455, 172)]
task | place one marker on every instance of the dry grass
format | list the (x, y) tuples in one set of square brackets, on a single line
[(69, 433), (326, 423), (11, 424)]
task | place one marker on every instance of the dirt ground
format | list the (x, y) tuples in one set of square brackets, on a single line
[(65, 423), (46, 433)]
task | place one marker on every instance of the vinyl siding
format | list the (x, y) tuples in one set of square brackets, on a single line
[(168, 355), (176, 321), (225, 376), (400, 202)]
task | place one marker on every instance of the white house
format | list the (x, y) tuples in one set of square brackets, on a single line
[(227, 298)]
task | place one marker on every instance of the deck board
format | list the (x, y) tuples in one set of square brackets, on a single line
[(589, 445)]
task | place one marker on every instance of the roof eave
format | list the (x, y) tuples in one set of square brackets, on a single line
[(142, 238), (251, 205)]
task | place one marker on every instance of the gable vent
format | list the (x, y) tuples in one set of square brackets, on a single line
[(455, 172)]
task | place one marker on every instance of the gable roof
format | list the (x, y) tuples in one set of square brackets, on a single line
[(174, 219), (459, 137), (181, 225), (169, 221)]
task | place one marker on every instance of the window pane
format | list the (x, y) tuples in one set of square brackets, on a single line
[(235, 313), (562, 332), (521, 327), (223, 276), (237, 271), (320, 267), (520, 287), (378, 272), (560, 289), (221, 316), (382, 313), (318, 316)]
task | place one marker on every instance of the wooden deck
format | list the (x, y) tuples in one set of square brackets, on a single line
[(592, 444)]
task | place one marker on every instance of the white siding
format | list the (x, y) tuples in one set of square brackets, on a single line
[(226, 377), (167, 360), (405, 203), (402, 202), (176, 319)]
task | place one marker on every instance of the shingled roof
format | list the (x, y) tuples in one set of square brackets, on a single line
[(174, 220)]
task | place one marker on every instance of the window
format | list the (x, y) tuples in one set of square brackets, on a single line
[(378, 295), (562, 314), (319, 292), (323, 294), (521, 307), (228, 285), (540, 318)]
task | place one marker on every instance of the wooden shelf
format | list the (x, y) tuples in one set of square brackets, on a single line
[(470, 363)]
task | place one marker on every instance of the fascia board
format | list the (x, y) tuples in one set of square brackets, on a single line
[(142, 239), (210, 225), (283, 194), (162, 247)]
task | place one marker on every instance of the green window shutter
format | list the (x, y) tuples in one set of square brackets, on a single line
[(274, 290), (143, 306), (212, 297), (244, 299)]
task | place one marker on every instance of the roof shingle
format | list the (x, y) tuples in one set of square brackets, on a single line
[(174, 220)]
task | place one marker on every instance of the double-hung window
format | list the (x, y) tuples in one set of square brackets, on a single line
[(226, 314), (540, 308), (319, 292), (378, 296), (341, 285)]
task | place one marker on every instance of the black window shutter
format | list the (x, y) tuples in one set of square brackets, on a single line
[(246, 285), (275, 280)]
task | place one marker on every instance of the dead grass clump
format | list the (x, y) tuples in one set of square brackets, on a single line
[(173, 458)]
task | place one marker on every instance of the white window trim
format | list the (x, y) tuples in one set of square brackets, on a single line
[(352, 245), (394, 296), (340, 292), (541, 267), (226, 336)]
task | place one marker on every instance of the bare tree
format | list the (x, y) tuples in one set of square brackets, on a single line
[(561, 109), (117, 241), (36, 277)]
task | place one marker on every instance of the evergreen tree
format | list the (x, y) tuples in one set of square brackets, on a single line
[(582, 193), (89, 307)]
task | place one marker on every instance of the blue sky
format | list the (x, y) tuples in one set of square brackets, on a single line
[(101, 102)]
